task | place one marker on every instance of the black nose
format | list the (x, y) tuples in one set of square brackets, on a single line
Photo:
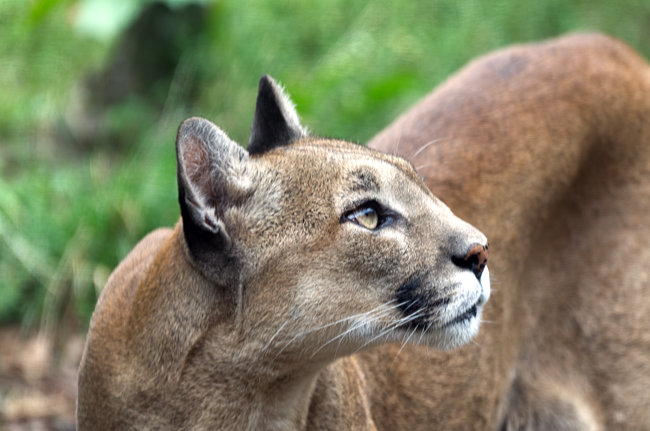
[(474, 260)]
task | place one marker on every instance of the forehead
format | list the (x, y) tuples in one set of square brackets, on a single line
[(360, 166)]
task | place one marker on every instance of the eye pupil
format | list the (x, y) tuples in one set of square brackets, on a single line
[(366, 217)]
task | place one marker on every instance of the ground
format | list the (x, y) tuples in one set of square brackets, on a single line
[(37, 381)]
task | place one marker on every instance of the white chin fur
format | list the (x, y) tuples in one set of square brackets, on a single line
[(485, 284), (447, 337), (455, 335), (461, 333)]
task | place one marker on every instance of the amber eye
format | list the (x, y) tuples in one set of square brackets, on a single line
[(366, 217)]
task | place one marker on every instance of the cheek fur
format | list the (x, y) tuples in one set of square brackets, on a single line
[(373, 257)]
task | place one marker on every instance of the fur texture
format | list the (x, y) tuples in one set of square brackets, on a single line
[(270, 305), (287, 260), (546, 148)]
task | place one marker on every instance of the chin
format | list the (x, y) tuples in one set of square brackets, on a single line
[(456, 333)]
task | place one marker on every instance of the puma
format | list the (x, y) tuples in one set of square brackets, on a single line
[(289, 257), (311, 282)]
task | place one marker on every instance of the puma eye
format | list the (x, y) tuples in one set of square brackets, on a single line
[(366, 217), (371, 215)]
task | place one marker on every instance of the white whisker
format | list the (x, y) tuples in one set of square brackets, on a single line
[(422, 334), (417, 168), (357, 325), (276, 334), (392, 327), (423, 147), (366, 314), (405, 342), (399, 139), (354, 316), (367, 323)]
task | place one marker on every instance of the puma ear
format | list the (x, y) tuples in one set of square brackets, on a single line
[(210, 179), (275, 122)]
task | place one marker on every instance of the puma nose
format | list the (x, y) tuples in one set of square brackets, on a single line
[(475, 259)]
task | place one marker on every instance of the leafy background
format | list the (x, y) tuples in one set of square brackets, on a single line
[(92, 91), (91, 94)]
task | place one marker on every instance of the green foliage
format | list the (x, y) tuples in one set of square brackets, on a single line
[(70, 210)]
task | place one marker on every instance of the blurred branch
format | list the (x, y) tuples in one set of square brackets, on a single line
[(35, 262), (63, 279)]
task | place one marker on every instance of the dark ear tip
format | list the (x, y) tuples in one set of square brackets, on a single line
[(266, 81), (266, 86)]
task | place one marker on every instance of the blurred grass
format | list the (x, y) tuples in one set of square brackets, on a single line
[(69, 212)]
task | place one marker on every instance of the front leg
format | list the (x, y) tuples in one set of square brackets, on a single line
[(545, 406)]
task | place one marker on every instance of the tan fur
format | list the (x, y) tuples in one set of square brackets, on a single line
[(544, 147), (174, 343)]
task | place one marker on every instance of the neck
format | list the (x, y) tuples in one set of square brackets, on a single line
[(252, 396), (284, 404), (266, 399)]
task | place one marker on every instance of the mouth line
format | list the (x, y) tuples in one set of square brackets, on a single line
[(465, 316), (461, 318)]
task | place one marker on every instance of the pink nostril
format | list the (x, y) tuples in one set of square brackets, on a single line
[(474, 260)]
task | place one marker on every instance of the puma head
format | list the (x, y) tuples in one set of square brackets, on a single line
[(328, 246)]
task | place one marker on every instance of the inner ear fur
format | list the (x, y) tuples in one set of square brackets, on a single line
[(275, 122), (210, 170)]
